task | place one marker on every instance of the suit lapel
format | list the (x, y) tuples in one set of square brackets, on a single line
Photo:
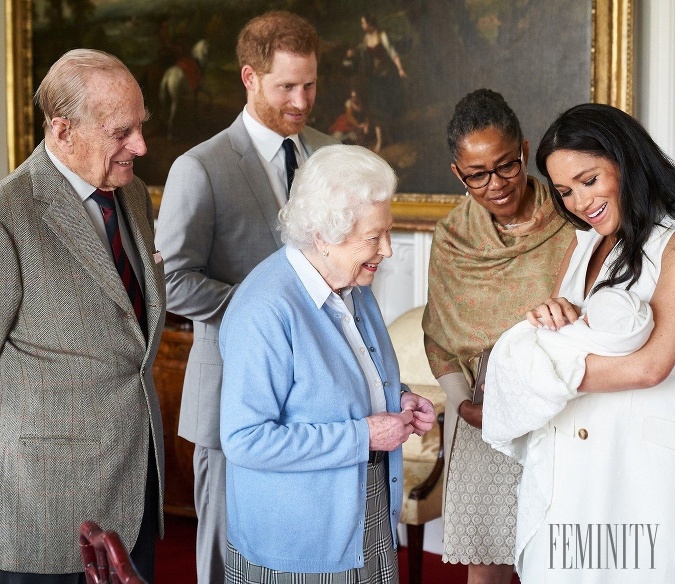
[(68, 220), (255, 175), (306, 140), (132, 204)]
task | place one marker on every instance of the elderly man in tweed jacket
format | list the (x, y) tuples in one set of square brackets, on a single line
[(80, 425)]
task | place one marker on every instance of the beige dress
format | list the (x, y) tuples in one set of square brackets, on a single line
[(482, 280)]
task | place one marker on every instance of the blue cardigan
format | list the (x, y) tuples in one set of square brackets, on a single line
[(292, 423)]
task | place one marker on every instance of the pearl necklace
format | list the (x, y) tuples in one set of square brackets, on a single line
[(512, 225)]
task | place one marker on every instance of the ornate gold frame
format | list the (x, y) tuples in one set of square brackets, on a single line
[(611, 82), (19, 55)]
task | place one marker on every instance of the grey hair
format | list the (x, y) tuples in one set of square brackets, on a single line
[(63, 91), (330, 191)]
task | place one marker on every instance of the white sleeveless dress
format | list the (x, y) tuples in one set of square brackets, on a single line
[(611, 519)]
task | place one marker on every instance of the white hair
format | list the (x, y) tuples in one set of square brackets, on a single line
[(330, 191), (63, 91)]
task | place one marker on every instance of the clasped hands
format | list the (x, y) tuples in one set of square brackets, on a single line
[(389, 430)]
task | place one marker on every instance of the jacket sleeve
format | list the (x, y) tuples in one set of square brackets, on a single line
[(185, 230)]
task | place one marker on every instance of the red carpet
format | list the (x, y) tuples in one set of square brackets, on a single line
[(176, 558), (175, 561)]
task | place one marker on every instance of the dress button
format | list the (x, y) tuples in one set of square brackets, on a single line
[(372, 349), (583, 433), (357, 319), (394, 480)]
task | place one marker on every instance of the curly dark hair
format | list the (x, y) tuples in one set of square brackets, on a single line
[(647, 177), (478, 110)]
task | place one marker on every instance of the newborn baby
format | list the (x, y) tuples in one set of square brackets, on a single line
[(533, 372)]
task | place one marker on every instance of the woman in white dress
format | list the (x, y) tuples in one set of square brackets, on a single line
[(611, 514)]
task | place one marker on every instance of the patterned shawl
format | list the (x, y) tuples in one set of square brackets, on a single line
[(483, 278)]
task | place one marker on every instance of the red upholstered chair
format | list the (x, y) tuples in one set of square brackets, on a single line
[(423, 460), (104, 557)]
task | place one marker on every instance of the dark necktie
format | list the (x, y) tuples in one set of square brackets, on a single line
[(291, 161), (106, 201)]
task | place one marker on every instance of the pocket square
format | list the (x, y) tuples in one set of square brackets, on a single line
[(157, 256)]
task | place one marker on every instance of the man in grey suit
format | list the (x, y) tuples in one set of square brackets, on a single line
[(218, 220), (80, 425)]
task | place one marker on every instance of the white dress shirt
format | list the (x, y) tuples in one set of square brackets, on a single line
[(268, 146), (321, 294)]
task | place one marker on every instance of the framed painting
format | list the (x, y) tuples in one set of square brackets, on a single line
[(542, 55)]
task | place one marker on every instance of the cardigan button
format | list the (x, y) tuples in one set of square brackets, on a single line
[(583, 433)]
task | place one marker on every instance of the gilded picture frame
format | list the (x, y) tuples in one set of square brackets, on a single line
[(611, 81)]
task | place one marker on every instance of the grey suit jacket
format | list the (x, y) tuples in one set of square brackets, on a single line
[(77, 399), (217, 221)]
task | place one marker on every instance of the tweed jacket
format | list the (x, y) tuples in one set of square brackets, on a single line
[(217, 221), (77, 400)]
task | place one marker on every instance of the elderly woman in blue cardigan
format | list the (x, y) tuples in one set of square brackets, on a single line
[(313, 413)]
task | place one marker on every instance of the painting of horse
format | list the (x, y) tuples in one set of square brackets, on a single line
[(182, 83)]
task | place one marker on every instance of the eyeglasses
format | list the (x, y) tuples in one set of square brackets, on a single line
[(509, 169)]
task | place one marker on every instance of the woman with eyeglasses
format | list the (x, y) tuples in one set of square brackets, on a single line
[(493, 257)]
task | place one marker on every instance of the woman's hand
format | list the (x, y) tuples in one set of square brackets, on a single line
[(423, 411), (553, 313), (471, 413), (388, 431)]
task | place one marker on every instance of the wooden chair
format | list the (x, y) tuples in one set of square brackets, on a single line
[(104, 557), (423, 460)]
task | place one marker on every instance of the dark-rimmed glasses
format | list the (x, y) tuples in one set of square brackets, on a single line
[(509, 169)]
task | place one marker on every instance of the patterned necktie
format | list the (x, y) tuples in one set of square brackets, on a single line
[(106, 201), (291, 161)]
